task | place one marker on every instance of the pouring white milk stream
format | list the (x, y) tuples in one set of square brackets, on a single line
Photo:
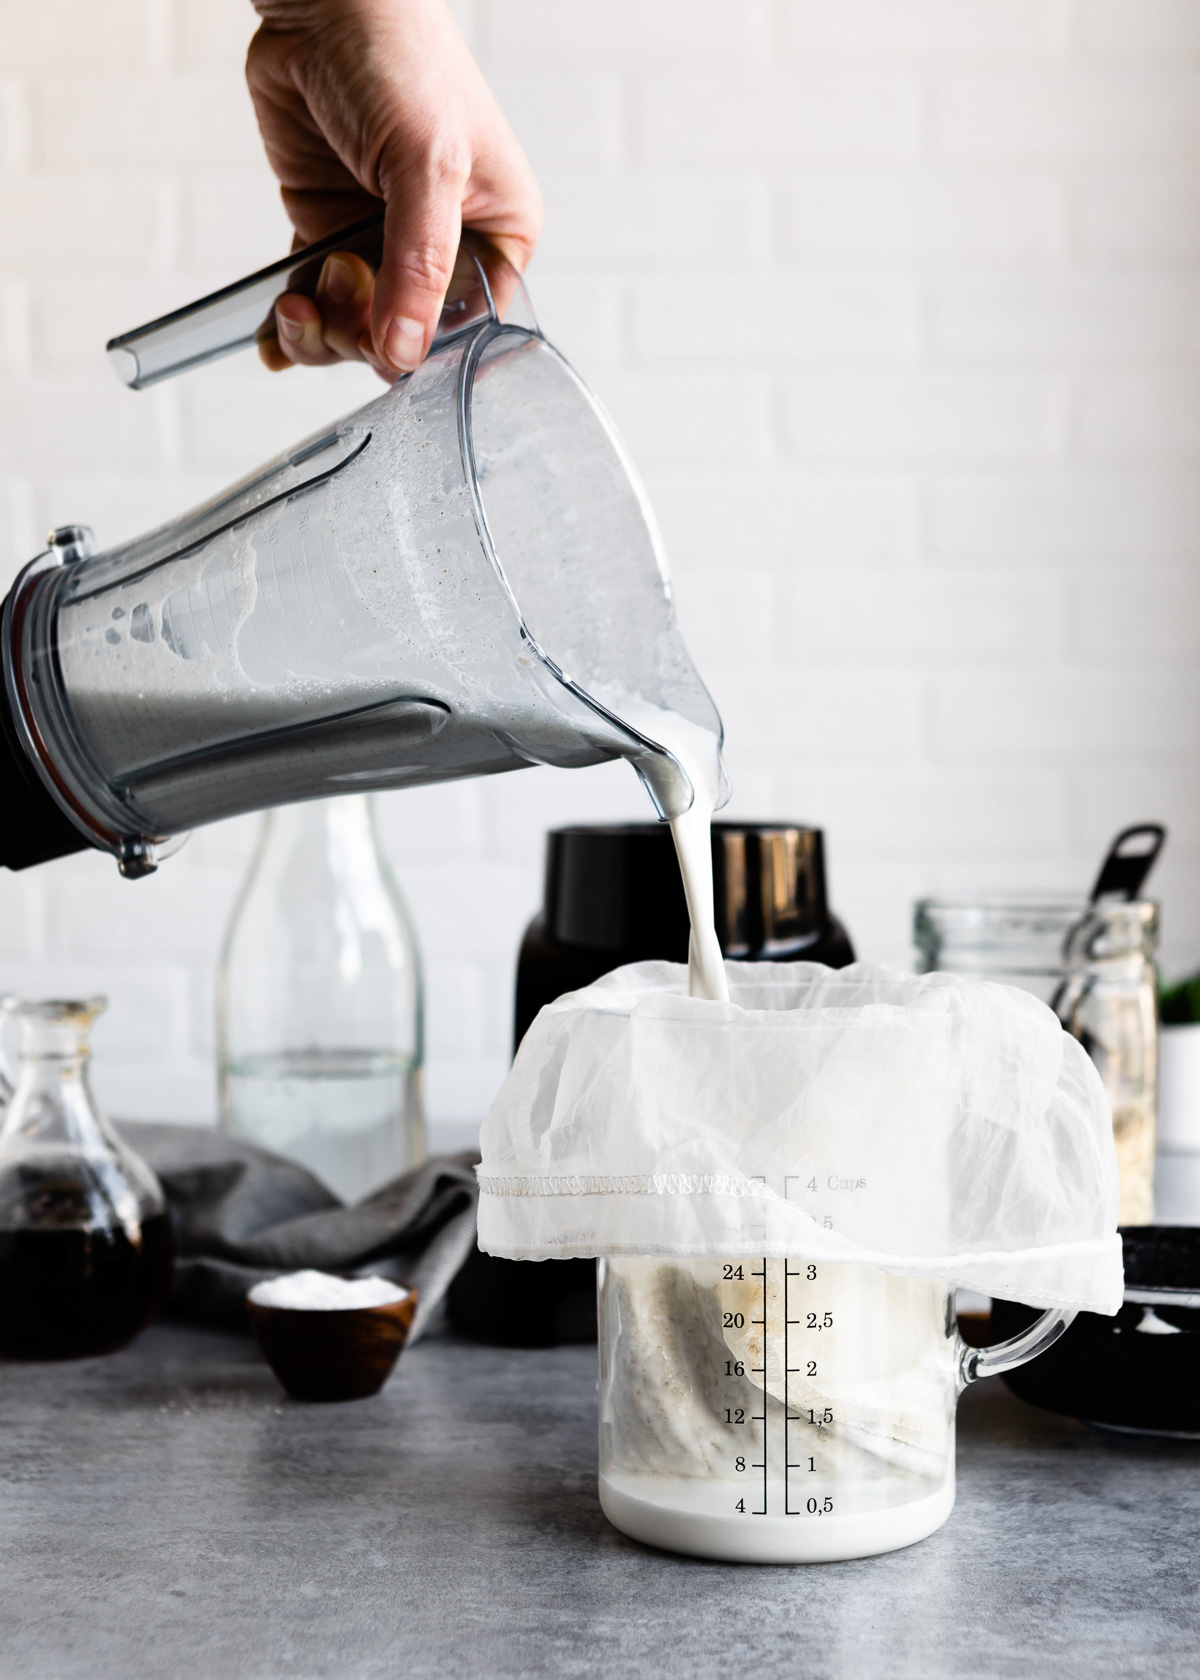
[(692, 834), (697, 751)]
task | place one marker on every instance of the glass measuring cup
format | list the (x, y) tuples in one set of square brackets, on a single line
[(783, 1411)]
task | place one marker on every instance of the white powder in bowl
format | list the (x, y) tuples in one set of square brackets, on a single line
[(320, 1292)]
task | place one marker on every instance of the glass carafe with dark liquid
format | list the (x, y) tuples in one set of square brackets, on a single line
[(85, 1244)]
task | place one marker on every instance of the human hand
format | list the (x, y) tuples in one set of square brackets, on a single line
[(363, 100)]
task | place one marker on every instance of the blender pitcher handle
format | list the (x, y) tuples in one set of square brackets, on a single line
[(974, 1363), (484, 283)]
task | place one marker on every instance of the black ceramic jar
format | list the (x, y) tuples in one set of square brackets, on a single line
[(614, 896)]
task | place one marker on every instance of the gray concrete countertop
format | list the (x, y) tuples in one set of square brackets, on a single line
[(167, 1513)]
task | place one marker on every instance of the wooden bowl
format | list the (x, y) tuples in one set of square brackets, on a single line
[(345, 1354)]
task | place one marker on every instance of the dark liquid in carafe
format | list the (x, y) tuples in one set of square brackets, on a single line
[(66, 1294)]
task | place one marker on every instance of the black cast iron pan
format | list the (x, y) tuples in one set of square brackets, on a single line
[(1139, 1371)]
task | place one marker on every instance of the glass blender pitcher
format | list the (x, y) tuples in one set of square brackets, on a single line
[(85, 1243), (461, 577)]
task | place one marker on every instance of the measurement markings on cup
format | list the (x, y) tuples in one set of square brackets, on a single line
[(796, 1363), (762, 1370), (816, 1418), (793, 1185), (789, 1370)]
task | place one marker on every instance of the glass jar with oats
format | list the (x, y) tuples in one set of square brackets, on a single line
[(1094, 965)]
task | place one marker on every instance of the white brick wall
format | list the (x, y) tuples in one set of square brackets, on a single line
[(899, 307)]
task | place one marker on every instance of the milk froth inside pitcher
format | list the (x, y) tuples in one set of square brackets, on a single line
[(459, 578)]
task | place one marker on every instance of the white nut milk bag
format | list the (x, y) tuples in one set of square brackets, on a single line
[(930, 1126)]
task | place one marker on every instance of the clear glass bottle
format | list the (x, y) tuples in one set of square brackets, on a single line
[(319, 1002), (1094, 965), (85, 1241)]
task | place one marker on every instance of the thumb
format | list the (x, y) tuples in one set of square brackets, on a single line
[(420, 241)]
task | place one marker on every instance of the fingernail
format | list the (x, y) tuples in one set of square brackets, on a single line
[(289, 329), (337, 282), (403, 342)]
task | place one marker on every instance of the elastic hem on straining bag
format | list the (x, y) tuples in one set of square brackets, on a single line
[(1040, 1277), (930, 1126)]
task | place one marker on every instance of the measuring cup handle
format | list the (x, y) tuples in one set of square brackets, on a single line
[(974, 1363)]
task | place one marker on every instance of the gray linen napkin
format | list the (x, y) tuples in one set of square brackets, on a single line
[(240, 1215)]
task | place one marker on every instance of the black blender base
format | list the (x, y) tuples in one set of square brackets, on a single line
[(524, 1303), (32, 828)]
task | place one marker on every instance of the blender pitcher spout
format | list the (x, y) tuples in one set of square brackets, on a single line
[(461, 577)]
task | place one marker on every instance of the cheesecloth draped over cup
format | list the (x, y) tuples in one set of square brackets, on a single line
[(932, 1126)]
